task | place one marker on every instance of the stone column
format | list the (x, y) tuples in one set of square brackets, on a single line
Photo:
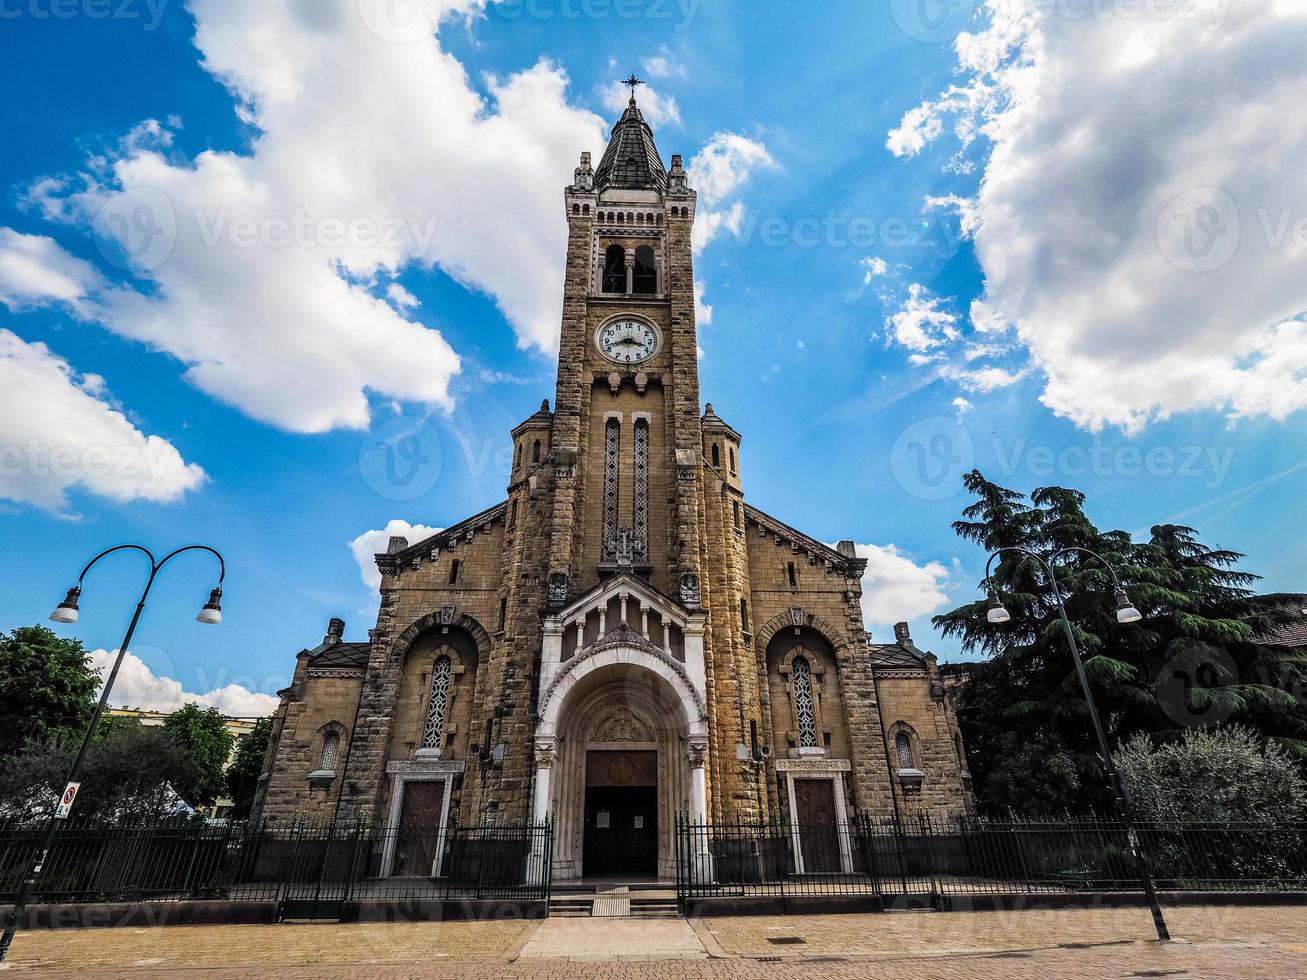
[(696, 751), (630, 271), (546, 751)]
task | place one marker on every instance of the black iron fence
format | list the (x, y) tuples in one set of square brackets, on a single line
[(924, 858), (310, 870)]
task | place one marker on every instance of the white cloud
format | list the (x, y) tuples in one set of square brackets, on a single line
[(921, 323), (897, 589), (872, 267), (371, 156), (657, 109), (663, 65), (724, 164), (1135, 221), (962, 405), (369, 544), (138, 686), (401, 297), (58, 430), (35, 270)]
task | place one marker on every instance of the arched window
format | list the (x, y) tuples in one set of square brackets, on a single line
[(535, 451), (433, 732), (615, 269), (716, 456), (330, 752), (576, 209), (646, 271), (804, 710), (903, 750)]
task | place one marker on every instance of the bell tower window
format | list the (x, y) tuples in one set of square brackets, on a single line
[(646, 271), (614, 269)]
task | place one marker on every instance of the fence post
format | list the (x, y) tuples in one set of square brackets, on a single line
[(190, 863)]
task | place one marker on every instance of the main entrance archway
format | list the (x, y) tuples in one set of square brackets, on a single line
[(621, 775), (620, 750)]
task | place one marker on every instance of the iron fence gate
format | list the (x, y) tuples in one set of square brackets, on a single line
[(311, 871), (923, 859)]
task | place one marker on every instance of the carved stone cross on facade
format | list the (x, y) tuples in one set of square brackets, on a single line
[(625, 548)]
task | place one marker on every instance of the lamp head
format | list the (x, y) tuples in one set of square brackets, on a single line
[(66, 611), (212, 611), (1125, 610), (997, 612)]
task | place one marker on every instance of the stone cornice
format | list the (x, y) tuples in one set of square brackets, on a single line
[(823, 552), (389, 564)]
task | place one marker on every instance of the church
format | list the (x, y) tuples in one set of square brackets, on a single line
[(625, 638)]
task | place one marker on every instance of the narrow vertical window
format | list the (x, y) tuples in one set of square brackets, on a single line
[(535, 451), (735, 508), (612, 453), (732, 452), (453, 571), (614, 269), (646, 271), (903, 750), (433, 731), (517, 457), (804, 711), (716, 456), (794, 580), (512, 512), (330, 752), (744, 615), (503, 613), (640, 516)]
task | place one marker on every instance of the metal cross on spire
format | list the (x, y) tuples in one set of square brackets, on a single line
[(632, 82)]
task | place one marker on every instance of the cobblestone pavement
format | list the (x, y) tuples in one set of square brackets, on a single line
[(1238, 943)]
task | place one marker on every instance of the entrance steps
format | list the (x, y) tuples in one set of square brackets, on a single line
[(642, 900)]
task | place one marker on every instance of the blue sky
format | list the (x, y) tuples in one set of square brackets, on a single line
[(923, 249)]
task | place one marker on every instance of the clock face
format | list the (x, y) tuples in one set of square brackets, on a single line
[(627, 341)]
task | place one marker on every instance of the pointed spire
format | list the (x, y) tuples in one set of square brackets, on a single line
[(631, 160)]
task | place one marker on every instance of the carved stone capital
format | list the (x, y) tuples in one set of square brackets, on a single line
[(696, 751), (546, 753)]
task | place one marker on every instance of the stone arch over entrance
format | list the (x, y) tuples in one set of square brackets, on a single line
[(620, 747)]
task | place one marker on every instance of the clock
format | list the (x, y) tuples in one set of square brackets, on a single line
[(627, 341)]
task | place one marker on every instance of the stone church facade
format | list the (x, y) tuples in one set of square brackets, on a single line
[(625, 637)]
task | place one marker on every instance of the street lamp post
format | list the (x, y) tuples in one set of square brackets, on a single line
[(1125, 613), (66, 612)]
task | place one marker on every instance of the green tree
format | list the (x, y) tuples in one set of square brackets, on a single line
[(127, 774), (246, 767), (47, 688), (1193, 661), (202, 736), (1217, 776)]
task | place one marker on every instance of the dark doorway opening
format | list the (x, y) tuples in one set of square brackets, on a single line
[(621, 831)]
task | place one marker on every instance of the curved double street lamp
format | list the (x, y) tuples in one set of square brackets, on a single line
[(1125, 613), (66, 612)]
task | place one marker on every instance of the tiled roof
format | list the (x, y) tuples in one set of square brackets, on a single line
[(894, 655), (631, 160), (1292, 634), (340, 655)]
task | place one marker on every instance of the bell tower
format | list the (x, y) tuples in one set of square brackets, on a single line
[(626, 431)]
